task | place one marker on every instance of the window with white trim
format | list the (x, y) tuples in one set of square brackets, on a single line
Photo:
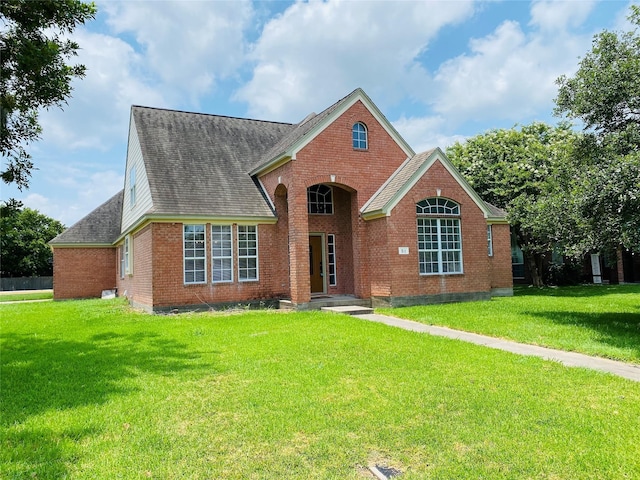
[(489, 240), (439, 237), (195, 259), (221, 254), (122, 268), (320, 199), (331, 259), (132, 186), (247, 253), (127, 254), (359, 136)]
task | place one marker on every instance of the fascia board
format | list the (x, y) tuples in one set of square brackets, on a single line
[(81, 245)]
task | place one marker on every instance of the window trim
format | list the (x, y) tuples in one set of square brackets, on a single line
[(359, 136), (132, 186), (218, 257), (490, 240), (324, 204), (256, 256), (122, 269), (446, 215), (331, 260), (128, 256), (185, 258)]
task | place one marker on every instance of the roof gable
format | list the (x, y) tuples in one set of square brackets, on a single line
[(408, 174), (101, 227), (197, 164), (304, 132)]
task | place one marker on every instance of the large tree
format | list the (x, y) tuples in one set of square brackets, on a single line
[(523, 171), (604, 94), (24, 237), (34, 72)]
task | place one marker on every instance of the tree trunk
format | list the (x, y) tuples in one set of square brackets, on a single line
[(534, 263)]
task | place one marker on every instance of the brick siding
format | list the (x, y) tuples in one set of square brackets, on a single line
[(83, 272)]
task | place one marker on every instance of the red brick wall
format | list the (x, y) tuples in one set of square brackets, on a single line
[(500, 263), (143, 278), (402, 232), (83, 272)]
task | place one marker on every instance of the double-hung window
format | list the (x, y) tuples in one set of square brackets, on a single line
[(247, 253), (195, 259), (221, 253), (439, 236)]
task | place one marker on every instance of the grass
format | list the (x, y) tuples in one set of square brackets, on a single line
[(22, 296), (92, 389), (596, 320)]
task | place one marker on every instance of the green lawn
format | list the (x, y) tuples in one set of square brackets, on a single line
[(25, 295), (91, 389), (596, 320)]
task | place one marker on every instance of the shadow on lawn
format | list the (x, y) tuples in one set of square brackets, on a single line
[(620, 330), (41, 374)]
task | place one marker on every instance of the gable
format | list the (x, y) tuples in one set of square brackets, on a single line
[(197, 164), (307, 130), (407, 175)]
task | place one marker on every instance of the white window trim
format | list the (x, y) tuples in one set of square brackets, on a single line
[(256, 256), (490, 240), (440, 250), (128, 255), (213, 258), (331, 242), (184, 258), (366, 136), (121, 259)]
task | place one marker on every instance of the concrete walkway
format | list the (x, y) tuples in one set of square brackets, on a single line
[(570, 359)]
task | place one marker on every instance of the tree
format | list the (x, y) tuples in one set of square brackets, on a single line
[(34, 73), (605, 95), (24, 237), (522, 172)]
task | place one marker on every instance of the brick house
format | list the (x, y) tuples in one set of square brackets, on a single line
[(218, 210)]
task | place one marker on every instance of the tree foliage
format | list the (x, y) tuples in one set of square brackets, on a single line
[(521, 170), (34, 72), (24, 237)]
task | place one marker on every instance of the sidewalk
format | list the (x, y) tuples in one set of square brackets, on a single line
[(570, 359)]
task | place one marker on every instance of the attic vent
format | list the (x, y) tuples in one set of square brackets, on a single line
[(307, 118)]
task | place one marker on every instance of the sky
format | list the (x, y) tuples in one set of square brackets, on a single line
[(440, 71)]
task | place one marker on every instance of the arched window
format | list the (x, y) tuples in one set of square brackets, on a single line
[(360, 140), (319, 199), (439, 236)]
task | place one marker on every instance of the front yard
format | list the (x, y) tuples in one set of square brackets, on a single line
[(92, 389)]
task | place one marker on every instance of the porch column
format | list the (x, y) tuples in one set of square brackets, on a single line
[(299, 281)]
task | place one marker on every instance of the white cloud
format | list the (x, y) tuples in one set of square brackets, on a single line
[(187, 45), (316, 52), (425, 133), (553, 16)]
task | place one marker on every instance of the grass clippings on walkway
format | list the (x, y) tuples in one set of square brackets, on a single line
[(91, 389), (596, 320)]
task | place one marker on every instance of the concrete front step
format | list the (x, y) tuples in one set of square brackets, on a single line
[(349, 310)]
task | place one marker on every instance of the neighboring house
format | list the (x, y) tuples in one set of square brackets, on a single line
[(218, 210)]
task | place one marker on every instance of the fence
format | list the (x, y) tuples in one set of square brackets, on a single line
[(26, 283)]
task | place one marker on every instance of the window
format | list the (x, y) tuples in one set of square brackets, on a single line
[(320, 199), (127, 254), (194, 254), (132, 186), (439, 239), (331, 258), (221, 253), (359, 132), (247, 253), (122, 263), (489, 240)]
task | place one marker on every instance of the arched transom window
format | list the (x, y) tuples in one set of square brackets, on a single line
[(439, 236), (360, 140), (320, 199)]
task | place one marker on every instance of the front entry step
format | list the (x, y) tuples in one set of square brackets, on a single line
[(349, 310)]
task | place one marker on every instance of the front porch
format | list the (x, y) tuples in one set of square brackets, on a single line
[(318, 302)]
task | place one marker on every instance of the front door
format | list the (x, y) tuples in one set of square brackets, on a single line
[(315, 264)]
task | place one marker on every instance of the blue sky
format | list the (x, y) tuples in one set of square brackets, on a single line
[(439, 71)]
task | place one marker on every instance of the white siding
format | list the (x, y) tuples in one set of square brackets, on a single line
[(131, 213)]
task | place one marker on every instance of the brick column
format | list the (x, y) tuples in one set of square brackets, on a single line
[(299, 281)]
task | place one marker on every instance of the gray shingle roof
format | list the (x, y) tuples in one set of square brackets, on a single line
[(398, 180), (101, 226), (197, 164)]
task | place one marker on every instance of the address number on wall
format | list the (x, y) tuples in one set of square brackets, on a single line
[(403, 250)]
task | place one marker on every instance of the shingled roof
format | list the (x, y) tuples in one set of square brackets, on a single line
[(100, 227), (198, 164)]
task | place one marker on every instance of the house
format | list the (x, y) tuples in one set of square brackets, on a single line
[(219, 211)]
